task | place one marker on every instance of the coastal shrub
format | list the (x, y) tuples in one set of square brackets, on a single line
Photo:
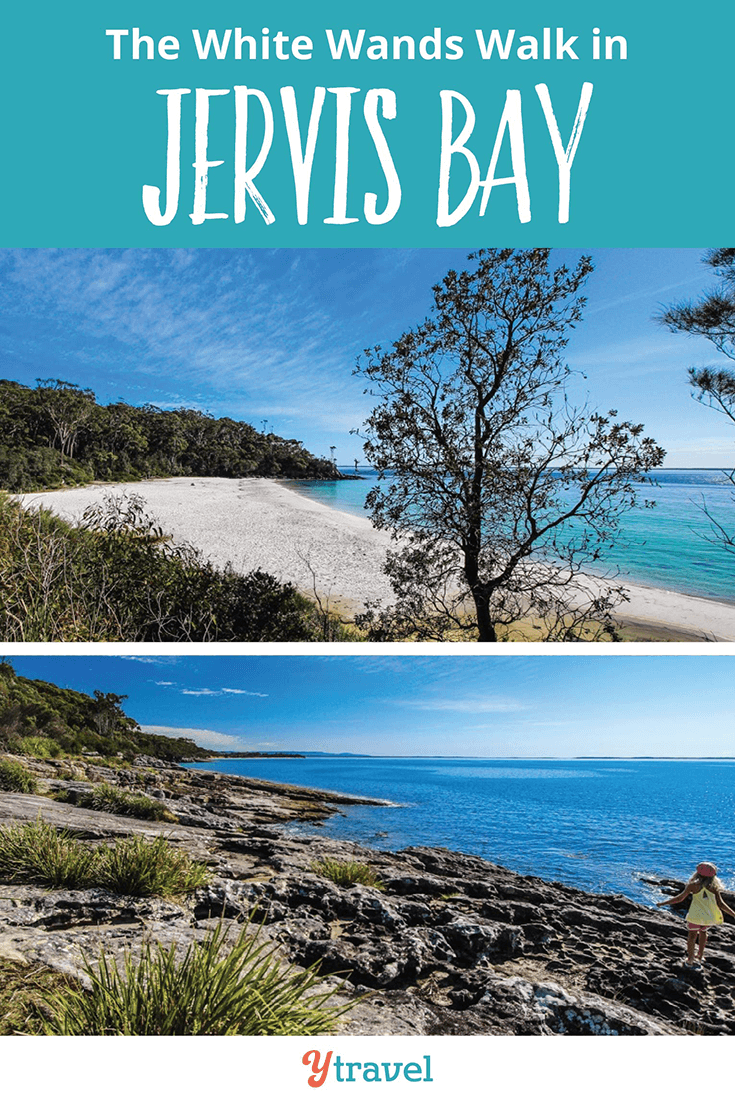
[(117, 576), (347, 873), (36, 746), (119, 801), (207, 991), (137, 866), (15, 777), (39, 853), (40, 468)]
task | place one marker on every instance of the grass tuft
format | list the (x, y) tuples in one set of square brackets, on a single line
[(25, 990), (37, 746), (207, 991), (347, 873), (136, 866), (38, 853), (119, 801), (14, 777)]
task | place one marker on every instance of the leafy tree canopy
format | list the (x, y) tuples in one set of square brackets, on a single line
[(57, 434), (712, 316), (497, 490), (37, 716)]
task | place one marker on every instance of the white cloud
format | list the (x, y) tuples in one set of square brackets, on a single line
[(469, 705), (164, 682), (643, 294), (243, 692), (252, 335), (220, 692), (151, 661), (210, 740)]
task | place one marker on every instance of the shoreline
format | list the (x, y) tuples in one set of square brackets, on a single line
[(443, 943), (262, 524), (635, 583)]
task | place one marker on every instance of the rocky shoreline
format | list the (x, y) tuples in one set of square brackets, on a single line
[(449, 944)]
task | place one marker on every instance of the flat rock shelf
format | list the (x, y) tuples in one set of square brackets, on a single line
[(449, 944)]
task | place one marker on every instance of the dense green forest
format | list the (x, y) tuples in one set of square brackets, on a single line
[(56, 434), (43, 720)]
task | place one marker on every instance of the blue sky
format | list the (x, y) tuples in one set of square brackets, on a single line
[(483, 706), (273, 334)]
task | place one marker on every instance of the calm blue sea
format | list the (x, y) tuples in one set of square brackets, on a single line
[(665, 546), (598, 825)]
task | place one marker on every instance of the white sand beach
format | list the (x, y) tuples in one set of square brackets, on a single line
[(257, 523)]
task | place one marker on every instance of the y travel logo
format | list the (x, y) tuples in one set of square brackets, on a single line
[(337, 1070)]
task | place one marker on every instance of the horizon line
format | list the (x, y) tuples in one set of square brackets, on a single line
[(233, 756)]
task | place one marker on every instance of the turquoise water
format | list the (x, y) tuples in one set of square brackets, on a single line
[(598, 825), (665, 546)]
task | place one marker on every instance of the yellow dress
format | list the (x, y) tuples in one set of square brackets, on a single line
[(704, 910)]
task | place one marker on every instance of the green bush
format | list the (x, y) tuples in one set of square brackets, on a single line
[(38, 468), (36, 746), (347, 873), (118, 577), (244, 991), (38, 853), (119, 801), (14, 777)]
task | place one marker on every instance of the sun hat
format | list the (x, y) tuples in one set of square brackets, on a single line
[(706, 869)]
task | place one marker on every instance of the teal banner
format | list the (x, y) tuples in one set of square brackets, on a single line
[(381, 124)]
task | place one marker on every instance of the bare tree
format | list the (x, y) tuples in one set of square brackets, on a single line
[(496, 489)]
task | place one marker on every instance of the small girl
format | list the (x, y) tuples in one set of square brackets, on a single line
[(705, 909)]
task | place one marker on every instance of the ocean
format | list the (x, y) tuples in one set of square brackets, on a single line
[(600, 825), (668, 546)]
